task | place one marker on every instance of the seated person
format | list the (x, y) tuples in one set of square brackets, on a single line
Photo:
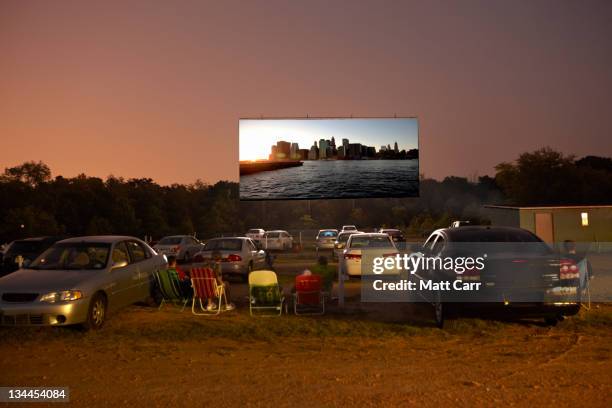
[(183, 276), (328, 273), (215, 265)]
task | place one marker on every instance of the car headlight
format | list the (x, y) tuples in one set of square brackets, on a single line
[(62, 296)]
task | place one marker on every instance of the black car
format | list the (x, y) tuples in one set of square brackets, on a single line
[(28, 249), (518, 273)]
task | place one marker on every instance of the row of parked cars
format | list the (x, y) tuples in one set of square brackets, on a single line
[(79, 280)]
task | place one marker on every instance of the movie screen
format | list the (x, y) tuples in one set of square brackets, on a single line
[(307, 159)]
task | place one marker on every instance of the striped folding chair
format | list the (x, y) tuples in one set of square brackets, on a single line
[(205, 287), (170, 288)]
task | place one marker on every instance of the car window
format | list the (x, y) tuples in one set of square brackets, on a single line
[(251, 246), (170, 241), (120, 253), (137, 251), (272, 234), (364, 241), (228, 244), (438, 246)]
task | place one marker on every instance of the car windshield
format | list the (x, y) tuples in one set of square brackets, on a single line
[(272, 234), (375, 241), (169, 241), (77, 256), (328, 234), (223, 245)]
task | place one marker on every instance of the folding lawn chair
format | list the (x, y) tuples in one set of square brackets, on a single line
[(265, 294), (308, 299), (170, 288), (206, 286)]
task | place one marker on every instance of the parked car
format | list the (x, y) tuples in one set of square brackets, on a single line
[(519, 265), (25, 251), (340, 242), (256, 234), (277, 239), (358, 245), (183, 247), (395, 234), (346, 228), (237, 255), (325, 239), (79, 281)]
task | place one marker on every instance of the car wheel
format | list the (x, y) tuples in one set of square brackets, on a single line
[(439, 312), (96, 313)]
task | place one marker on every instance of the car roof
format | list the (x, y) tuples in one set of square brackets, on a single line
[(219, 238), (276, 231), (104, 239), (373, 234)]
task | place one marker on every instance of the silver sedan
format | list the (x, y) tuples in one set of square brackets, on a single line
[(79, 281)]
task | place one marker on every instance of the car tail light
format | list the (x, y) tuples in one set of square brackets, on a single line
[(233, 258), (352, 256), (568, 269)]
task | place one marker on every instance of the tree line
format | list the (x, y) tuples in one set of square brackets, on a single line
[(35, 203)]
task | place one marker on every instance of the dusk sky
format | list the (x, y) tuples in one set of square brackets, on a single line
[(257, 136), (156, 88)]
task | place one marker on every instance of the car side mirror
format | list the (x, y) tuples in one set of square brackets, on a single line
[(119, 265)]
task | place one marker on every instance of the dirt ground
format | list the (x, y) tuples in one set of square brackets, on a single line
[(379, 355), (163, 358)]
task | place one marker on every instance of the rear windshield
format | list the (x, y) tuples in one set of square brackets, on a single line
[(272, 234), (25, 247), (484, 235), (223, 245), (170, 241), (328, 234), (77, 256), (377, 241)]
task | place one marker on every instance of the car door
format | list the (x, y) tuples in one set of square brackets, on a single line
[(144, 266), (123, 279)]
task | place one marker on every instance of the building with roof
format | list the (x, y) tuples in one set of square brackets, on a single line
[(582, 223)]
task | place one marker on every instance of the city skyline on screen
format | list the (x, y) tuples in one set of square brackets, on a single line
[(258, 135)]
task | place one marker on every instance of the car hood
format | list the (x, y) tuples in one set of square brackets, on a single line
[(39, 281)]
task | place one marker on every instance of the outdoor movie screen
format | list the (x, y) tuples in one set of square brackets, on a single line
[(315, 158)]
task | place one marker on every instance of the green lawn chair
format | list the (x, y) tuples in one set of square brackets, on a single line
[(265, 295), (170, 288)]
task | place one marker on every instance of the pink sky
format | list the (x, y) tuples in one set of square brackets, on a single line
[(155, 89)]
